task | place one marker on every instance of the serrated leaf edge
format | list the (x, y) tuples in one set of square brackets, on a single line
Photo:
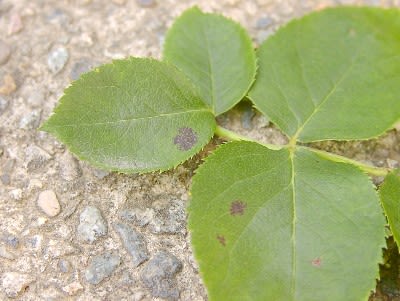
[(75, 152)]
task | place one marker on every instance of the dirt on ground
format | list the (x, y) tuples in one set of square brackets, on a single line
[(71, 232)]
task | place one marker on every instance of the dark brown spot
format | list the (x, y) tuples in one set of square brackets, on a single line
[(221, 240), (185, 139), (316, 262), (237, 207)]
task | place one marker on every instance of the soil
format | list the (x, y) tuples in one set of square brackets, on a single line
[(44, 44)]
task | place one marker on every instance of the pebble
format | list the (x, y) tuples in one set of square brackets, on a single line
[(158, 275), (133, 242), (3, 104), (92, 225), (247, 117), (81, 66), (101, 267), (15, 283), (263, 22), (140, 217), (34, 242), (57, 59), (146, 3), (5, 52), (36, 158), (31, 121), (48, 202), (169, 220), (5, 179), (11, 240), (73, 288), (64, 266), (9, 85)]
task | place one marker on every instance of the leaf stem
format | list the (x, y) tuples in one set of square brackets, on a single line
[(372, 170), (232, 136)]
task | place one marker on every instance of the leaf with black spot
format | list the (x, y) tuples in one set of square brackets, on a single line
[(134, 115)]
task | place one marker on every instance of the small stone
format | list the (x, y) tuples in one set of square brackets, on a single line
[(73, 288), (3, 105), (158, 275), (92, 225), (9, 85), (169, 220), (34, 242), (133, 242), (31, 121), (15, 24), (100, 174), (36, 158), (263, 22), (82, 66), (146, 3), (14, 283), (101, 267), (5, 52), (11, 240), (64, 266), (246, 117), (5, 179), (57, 59), (48, 202), (6, 254), (141, 217)]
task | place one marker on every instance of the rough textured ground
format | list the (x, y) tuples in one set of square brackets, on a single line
[(71, 232)]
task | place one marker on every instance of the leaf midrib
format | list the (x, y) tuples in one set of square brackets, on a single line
[(133, 119), (317, 108)]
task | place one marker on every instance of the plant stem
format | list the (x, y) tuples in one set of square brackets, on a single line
[(372, 170), (232, 136)]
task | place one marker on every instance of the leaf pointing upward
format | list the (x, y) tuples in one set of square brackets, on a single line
[(215, 53)]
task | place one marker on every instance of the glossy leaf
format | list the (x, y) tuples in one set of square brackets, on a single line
[(333, 74), (274, 226), (217, 55), (390, 198), (133, 115)]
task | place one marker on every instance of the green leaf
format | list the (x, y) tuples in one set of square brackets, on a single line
[(390, 198), (333, 74), (275, 226), (215, 53), (133, 115)]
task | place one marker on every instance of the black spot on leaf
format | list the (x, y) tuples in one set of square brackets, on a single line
[(185, 139), (237, 208), (221, 240)]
